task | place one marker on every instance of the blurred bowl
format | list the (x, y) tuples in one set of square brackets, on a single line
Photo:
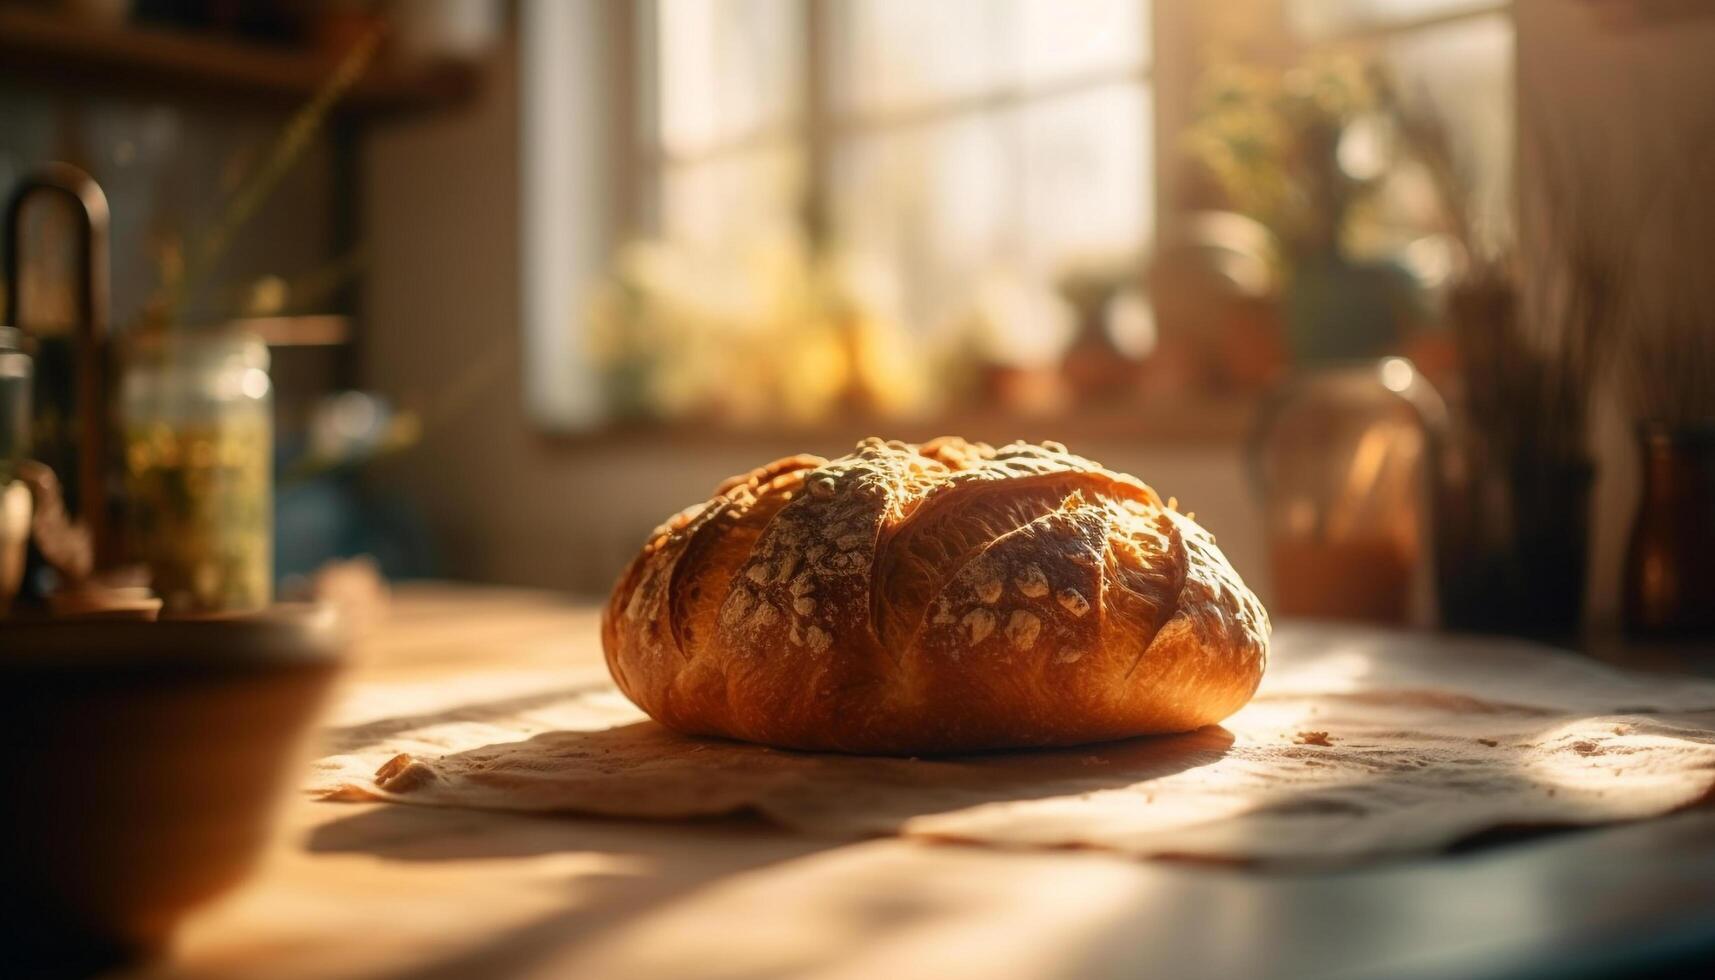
[(93, 602), (142, 765)]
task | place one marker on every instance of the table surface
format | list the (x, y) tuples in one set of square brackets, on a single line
[(377, 890)]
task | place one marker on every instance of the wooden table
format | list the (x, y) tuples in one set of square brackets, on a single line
[(369, 890)]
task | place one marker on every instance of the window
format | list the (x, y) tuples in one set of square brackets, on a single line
[(957, 138), (939, 144), (957, 147)]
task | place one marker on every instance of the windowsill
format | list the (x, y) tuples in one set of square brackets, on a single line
[(1179, 423)]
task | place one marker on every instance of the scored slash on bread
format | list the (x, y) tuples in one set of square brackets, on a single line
[(927, 599)]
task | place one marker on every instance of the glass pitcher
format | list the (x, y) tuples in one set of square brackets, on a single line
[(1342, 459)]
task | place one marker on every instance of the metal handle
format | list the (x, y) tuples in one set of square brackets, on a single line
[(94, 311)]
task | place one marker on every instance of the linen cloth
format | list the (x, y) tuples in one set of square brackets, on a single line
[(1361, 743)]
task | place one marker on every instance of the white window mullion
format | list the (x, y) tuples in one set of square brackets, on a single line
[(818, 128), (649, 155)]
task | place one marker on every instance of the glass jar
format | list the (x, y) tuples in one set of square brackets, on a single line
[(16, 371), (1342, 459), (197, 412), (1670, 566)]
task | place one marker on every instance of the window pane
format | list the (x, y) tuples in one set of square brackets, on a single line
[(1060, 38), (1464, 70), (1014, 190), (1324, 18), (1087, 176), (936, 201), (900, 53), (739, 199), (891, 53), (1029, 190), (725, 68)]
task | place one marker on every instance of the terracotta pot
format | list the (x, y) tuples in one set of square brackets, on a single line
[(143, 763)]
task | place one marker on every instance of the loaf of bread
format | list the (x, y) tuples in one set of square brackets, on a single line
[(930, 599)]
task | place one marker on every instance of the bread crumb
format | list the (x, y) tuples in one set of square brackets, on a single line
[(1491, 743), (402, 774), (1313, 738)]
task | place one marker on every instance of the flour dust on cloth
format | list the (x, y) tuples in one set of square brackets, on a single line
[(1360, 743)]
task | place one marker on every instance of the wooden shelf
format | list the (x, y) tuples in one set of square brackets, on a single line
[(38, 46), (326, 330)]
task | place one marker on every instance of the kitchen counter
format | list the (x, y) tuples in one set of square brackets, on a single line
[(379, 890)]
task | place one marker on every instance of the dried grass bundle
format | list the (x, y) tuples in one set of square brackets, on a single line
[(182, 272), (1535, 314), (1667, 359)]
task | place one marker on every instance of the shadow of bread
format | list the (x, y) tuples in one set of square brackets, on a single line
[(644, 770)]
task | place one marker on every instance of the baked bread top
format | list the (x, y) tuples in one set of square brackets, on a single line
[(946, 597)]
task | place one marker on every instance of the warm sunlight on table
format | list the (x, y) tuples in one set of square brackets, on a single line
[(381, 890)]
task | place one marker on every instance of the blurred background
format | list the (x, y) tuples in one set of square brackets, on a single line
[(532, 276)]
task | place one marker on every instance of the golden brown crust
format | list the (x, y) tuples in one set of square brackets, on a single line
[(936, 598)]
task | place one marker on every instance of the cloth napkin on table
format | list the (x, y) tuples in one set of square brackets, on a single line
[(1360, 743)]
